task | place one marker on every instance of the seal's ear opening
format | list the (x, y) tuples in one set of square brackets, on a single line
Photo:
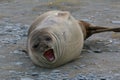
[(64, 14), (49, 55)]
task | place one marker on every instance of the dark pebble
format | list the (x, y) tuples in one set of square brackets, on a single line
[(35, 74), (103, 79), (97, 51)]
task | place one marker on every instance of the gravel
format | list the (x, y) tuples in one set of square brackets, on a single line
[(100, 59), (16, 32)]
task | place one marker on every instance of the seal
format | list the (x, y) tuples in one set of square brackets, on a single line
[(56, 38)]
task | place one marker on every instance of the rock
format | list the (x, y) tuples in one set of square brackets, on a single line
[(35, 74), (1, 56), (81, 77), (106, 9), (16, 52), (88, 20), (56, 71), (103, 79), (115, 22), (98, 51), (26, 78), (18, 63)]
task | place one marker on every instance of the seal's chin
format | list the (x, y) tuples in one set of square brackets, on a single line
[(49, 55)]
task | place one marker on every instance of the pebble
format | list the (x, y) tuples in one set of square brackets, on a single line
[(110, 41), (88, 20), (82, 66), (56, 71), (76, 67), (1, 56), (18, 63), (103, 79), (43, 77), (106, 9), (17, 52), (12, 71), (117, 74), (79, 77), (57, 75), (35, 74), (15, 72), (115, 22), (98, 51), (26, 78)]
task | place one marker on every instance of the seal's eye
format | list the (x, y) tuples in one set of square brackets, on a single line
[(47, 38)]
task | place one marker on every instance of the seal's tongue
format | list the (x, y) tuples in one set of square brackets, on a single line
[(49, 55)]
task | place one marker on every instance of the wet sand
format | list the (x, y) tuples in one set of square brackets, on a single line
[(99, 60)]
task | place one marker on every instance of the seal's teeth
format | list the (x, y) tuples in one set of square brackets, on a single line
[(49, 55)]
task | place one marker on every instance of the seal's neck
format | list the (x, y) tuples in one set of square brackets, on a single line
[(89, 29)]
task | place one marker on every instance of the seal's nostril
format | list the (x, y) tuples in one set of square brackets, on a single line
[(35, 46), (46, 46)]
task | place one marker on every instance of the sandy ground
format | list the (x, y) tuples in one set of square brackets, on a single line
[(99, 60)]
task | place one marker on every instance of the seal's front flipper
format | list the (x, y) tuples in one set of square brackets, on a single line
[(89, 29)]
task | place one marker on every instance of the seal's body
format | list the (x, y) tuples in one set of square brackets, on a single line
[(56, 38)]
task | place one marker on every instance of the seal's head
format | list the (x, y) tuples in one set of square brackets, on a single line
[(54, 39), (42, 45), (46, 47), (40, 48)]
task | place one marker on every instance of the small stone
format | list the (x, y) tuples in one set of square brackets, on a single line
[(12, 71), (56, 71), (26, 78), (35, 74), (117, 74), (18, 63), (81, 77), (9, 30), (117, 16), (106, 9), (110, 41), (76, 67), (1, 56), (103, 79), (115, 22), (81, 66), (65, 79), (13, 41), (43, 77), (16, 51), (97, 51), (8, 27), (88, 20), (33, 67)]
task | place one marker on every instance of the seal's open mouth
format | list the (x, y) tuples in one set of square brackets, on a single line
[(49, 55)]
